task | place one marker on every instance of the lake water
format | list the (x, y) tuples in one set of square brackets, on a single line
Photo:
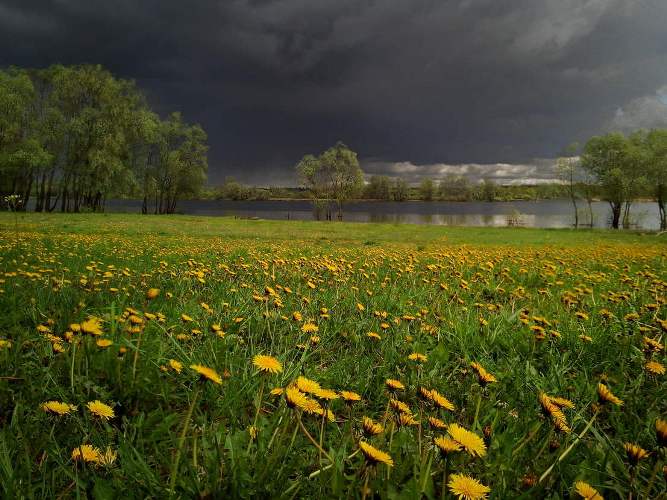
[(545, 213)]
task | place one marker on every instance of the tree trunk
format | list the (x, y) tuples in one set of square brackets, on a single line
[(626, 215), (615, 214), (663, 214), (576, 211)]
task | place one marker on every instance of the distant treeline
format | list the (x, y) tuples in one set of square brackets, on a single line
[(74, 136), (384, 188)]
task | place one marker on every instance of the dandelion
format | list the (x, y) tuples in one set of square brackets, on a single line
[(418, 357), (107, 458), (207, 373), (100, 409), (372, 428), (436, 423), (306, 385), (104, 343), (467, 488), (350, 397), (634, 452), (152, 293), (177, 366), (484, 376), (92, 326), (310, 328), (471, 442), (655, 368), (267, 364), (586, 491), (446, 445), (394, 385), (87, 453), (607, 396), (375, 456), (58, 408)]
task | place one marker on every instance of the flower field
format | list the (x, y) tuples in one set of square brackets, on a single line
[(212, 359)]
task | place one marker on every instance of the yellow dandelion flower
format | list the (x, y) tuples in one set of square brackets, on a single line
[(655, 367), (371, 427), (607, 396), (277, 391), (436, 423), (470, 441), (586, 491), (185, 318), (394, 385), (92, 326), (207, 373), (58, 407), (350, 397), (374, 456), (267, 364), (418, 357), (446, 445), (104, 343), (327, 394), (634, 452), (306, 385), (87, 453), (374, 336), (100, 409), (177, 366), (107, 458), (441, 401), (467, 488), (310, 328), (152, 293), (484, 376)]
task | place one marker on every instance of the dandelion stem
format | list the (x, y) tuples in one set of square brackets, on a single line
[(363, 493), (181, 441), (443, 487), (259, 406), (479, 402), (311, 439), (569, 448)]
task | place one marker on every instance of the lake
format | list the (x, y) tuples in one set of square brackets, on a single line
[(544, 213)]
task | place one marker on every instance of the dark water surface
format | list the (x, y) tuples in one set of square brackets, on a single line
[(545, 213)]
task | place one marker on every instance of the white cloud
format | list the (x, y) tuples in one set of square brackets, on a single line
[(643, 112)]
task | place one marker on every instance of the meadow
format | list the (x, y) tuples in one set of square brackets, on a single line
[(194, 357)]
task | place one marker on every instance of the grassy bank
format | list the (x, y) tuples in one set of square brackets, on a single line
[(523, 359)]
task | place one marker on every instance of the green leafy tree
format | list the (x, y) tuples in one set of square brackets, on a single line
[(656, 170), (568, 168), (333, 176), (378, 188), (427, 189), (401, 190)]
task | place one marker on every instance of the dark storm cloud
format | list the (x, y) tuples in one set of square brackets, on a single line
[(421, 82)]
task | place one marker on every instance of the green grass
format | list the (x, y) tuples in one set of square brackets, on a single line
[(457, 295)]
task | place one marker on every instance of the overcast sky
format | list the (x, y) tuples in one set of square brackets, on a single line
[(414, 86)]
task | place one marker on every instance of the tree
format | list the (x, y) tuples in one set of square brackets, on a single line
[(488, 189), (656, 170), (378, 188), (455, 188), (334, 175), (610, 159), (427, 189), (400, 191), (568, 168)]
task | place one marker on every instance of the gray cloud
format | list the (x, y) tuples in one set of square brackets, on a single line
[(423, 82)]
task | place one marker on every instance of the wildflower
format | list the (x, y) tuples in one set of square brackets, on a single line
[(177, 366), (441, 401), (277, 391), (634, 452), (310, 328), (327, 394), (107, 458), (394, 385), (418, 357), (306, 385), (100, 409), (607, 396), (350, 397), (87, 453), (58, 407), (467, 488), (267, 364), (374, 336), (92, 326), (661, 431), (437, 423), (586, 491), (470, 441), (399, 406), (655, 368), (484, 376), (253, 431), (371, 427), (185, 318), (207, 373), (152, 293), (374, 456), (581, 315), (446, 445), (104, 343), (406, 419)]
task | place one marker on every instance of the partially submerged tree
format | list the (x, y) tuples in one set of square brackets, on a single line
[(335, 176), (568, 168)]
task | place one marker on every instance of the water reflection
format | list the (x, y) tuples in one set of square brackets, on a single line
[(546, 214)]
